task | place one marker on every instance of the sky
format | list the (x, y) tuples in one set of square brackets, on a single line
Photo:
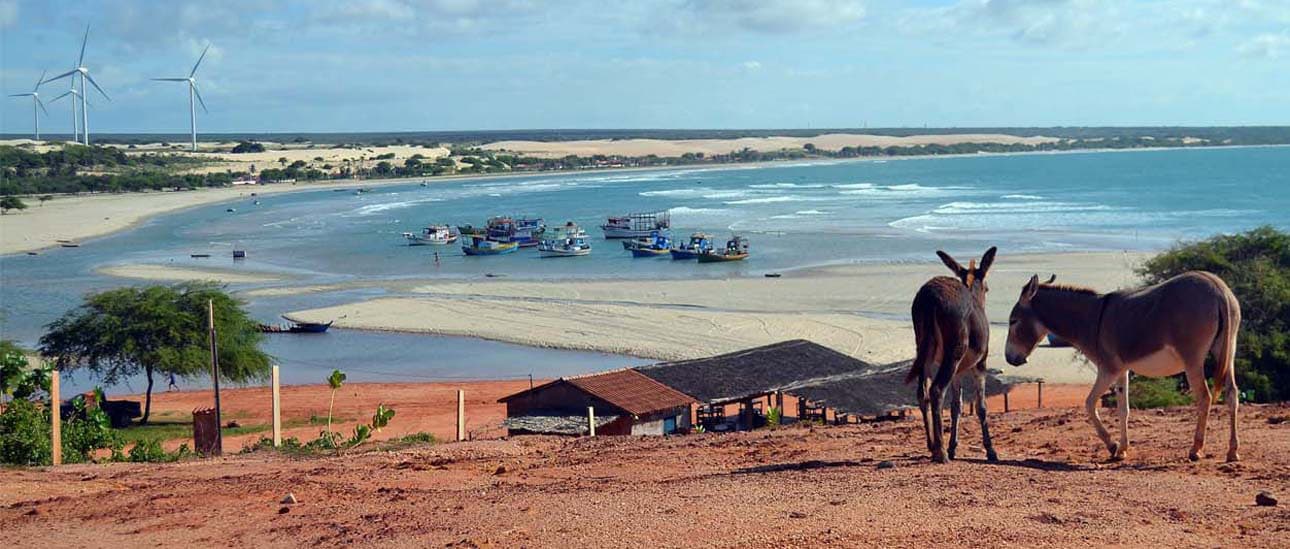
[(423, 65)]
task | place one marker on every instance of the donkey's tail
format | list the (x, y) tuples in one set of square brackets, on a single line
[(925, 336), (1224, 348)]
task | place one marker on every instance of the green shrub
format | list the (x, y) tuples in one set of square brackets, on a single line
[(25, 434), (147, 451), (774, 417), (1155, 392), (1256, 265)]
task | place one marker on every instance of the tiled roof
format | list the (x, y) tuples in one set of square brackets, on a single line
[(632, 391)]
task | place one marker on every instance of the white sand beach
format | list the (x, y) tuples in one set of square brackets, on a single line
[(861, 310), (170, 273)]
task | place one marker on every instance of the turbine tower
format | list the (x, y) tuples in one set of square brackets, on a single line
[(84, 73), (76, 120), (192, 92), (35, 102)]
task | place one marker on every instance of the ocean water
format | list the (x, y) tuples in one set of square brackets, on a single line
[(795, 215)]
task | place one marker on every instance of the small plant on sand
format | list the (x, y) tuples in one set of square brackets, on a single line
[(1149, 392), (335, 380), (382, 417), (774, 417)]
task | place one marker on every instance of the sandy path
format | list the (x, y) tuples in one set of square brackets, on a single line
[(793, 487), (861, 310)]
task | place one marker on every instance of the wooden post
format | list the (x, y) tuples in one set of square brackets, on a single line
[(1041, 393), (591, 421), (56, 420), (1006, 390), (277, 409), (219, 427), (461, 415)]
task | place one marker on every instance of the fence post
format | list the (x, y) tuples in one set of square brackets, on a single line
[(1006, 390), (56, 420), (1041, 393), (461, 415), (277, 409), (591, 421)]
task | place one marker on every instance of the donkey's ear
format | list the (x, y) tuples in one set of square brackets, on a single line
[(949, 262), (1031, 288), (987, 260)]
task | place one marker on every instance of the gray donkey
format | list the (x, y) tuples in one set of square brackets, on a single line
[(953, 338)]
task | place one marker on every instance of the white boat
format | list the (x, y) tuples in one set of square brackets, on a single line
[(567, 241), (438, 235), (636, 225)]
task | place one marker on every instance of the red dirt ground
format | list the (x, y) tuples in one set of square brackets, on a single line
[(796, 486)]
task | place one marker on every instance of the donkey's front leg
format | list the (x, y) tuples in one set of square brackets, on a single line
[(956, 411), (925, 404), (980, 414), (1123, 403), (1104, 381)]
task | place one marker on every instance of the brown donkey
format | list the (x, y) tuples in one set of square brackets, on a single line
[(953, 337), (1155, 331)]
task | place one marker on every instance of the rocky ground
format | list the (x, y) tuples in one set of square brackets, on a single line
[(859, 485)]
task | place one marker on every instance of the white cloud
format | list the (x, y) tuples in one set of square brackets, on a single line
[(751, 65), (1269, 46), (763, 16)]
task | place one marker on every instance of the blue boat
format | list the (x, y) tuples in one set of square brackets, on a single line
[(526, 232), (658, 243), (700, 243), (482, 246)]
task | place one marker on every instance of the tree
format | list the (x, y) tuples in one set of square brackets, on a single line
[(248, 147), (1256, 265), (11, 203), (156, 329)]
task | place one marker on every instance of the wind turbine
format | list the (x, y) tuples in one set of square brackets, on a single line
[(192, 92), (84, 73), (76, 120), (35, 102)]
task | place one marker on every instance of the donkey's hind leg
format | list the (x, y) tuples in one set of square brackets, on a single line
[(924, 404), (956, 411), (953, 353), (980, 414), (1200, 393)]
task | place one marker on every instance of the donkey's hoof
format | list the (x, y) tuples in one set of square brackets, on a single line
[(991, 456), (951, 453), (940, 457), (1114, 449), (1233, 457), (1195, 456)]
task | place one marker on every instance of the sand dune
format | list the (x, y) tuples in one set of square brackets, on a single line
[(643, 147)]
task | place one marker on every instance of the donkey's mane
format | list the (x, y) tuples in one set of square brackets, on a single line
[(1069, 288)]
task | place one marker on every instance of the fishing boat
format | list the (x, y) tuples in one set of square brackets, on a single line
[(471, 230), (438, 235), (526, 232), (296, 328), (736, 250), (700, 243), (658, 243), (482, 246), (636, 225), (567, 241)]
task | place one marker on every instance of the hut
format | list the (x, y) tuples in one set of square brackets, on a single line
[(625, 402)]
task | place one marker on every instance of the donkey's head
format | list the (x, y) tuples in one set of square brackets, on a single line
[(972, 276), (1024, 327)]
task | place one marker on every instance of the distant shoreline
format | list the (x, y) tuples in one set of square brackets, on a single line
[(75, 218)]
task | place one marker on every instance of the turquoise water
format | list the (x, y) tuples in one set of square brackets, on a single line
[(796, 215)]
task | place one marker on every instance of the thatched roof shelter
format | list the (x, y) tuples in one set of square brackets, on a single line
[(752, 372)]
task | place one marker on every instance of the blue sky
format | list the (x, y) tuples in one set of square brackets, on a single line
[(407, 65)]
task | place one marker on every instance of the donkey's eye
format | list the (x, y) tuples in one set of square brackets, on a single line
[(1012, 321)]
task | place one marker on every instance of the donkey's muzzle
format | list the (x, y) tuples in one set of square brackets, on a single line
[(1014, 360)]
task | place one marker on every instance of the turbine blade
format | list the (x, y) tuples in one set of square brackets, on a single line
[(42, 104), (171, 79), (61, 76), (198, 93), (81, 61), (96, 86), (20, 94), (199, 61), (38, 82), (65, 94)]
